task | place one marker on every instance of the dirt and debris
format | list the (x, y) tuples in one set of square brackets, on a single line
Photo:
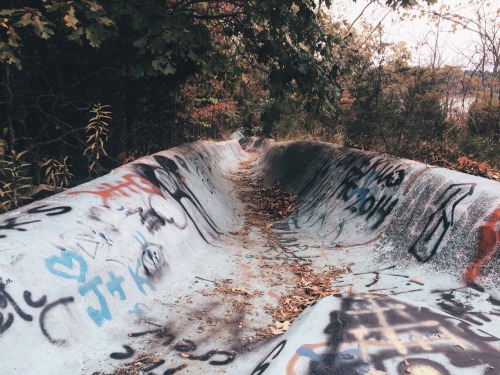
[(274, 202), (266, 206), (416, 281), (444, 156), (136, 367), (290, 280), (310, 287), (238, 297)]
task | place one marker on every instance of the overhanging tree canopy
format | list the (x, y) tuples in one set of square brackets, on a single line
[(134, 54)]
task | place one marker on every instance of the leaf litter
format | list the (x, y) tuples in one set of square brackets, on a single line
[(267, 205)]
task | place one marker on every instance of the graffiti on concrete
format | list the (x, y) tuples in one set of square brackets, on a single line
[(471, 305), (377, 273), (176, 193), (109, 261), (282, 247), (151, 257), (94, 243), (165, 197), (6, 301), (373, 333), (489, 240), (129, 185), (199, 164), (72, 266), (186, 348), (361, 185), (439, 221), (273, 354), (13, 223)]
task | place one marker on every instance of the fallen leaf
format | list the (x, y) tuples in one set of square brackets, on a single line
[(416, 281)]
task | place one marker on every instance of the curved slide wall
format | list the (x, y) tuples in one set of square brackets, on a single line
[(407, 212), (81, 270), (422, 247), (117, 272)]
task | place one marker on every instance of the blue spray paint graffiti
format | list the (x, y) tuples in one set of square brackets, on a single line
[(115, 285), (138, 309), (98, 316), (140, 280), (71, 266), (66, 259)]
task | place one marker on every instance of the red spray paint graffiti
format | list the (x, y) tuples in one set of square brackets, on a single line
[(489, 238), (131, 184)]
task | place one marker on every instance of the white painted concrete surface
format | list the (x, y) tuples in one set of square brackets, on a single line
[(125, 272)]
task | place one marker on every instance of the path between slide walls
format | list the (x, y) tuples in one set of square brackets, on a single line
[(199, 260)]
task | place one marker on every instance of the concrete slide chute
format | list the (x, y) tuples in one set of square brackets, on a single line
[(154, 269)]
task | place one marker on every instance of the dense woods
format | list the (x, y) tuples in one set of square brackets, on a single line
[(89, 85)]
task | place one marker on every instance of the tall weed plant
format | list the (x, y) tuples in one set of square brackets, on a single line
[(15, 183)]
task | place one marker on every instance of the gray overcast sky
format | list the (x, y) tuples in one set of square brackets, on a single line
[(420, 33)]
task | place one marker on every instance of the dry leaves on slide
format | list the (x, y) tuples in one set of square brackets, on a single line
[(310, 287), (267, 205)]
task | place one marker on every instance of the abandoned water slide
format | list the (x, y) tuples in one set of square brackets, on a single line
[(255, 257)]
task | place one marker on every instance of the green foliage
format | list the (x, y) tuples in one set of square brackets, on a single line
[(396, 109), (174, 38), (15, 183), (208, 106), (480, 148), (97, 134), (176, 71), (484, 117), (138, 55), (282, 120), (80, 21), (297, 47)]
